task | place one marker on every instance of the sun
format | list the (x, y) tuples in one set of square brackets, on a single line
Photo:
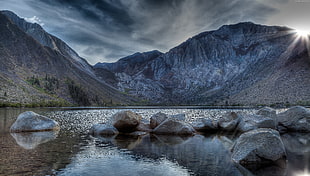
[(302, 33)]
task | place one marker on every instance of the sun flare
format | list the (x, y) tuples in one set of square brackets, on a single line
[(302, 33)]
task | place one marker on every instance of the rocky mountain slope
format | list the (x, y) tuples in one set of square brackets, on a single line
[(36, 68), (243, 63)]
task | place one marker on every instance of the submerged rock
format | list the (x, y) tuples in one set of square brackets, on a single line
[(173, 126), (251, 122), (157, 119), (31, 122), (30, 140), (103, 129), (294, 119), (126, 121), (258, 148)]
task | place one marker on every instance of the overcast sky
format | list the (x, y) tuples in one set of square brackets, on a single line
[(106, 30)]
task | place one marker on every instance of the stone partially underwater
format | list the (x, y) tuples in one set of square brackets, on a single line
[(33, 122), (259, 146)]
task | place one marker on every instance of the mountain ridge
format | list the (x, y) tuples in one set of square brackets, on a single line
[(33, 72), (239, 64), (205, 68)]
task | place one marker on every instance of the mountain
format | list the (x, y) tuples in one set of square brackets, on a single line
[(36, 68), (244, 63)]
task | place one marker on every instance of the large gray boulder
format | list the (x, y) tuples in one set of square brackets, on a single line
[(157, 119), (32, 122), (126, 121), (267, 112), (229, 121), (258, 148), (294, 119), (103, 129), (251, 122), (173, 126), (205, 125)]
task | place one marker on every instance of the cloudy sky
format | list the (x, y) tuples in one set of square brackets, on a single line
[(106, 30)]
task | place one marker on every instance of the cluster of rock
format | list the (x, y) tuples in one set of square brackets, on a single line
[(128, 122), (258, 145)]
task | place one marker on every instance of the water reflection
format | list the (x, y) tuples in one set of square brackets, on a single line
[(298, 150), (73, 152), (31, 140)]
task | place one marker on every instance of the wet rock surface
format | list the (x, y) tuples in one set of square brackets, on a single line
[(31, 122), (294, 119), (258, 148)]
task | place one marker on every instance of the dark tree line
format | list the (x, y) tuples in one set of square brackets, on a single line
[(78, 94)]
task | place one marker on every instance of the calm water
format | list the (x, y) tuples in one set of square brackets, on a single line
[(72, 151)]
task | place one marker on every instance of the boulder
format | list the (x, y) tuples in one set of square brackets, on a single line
[(205, 125), (250, 122), (157, 119), (172, 126), (294, 119), (258, 148), (103, 129), (267, 112), (126, 121), (144, 127), (32, 122), (229, 121)]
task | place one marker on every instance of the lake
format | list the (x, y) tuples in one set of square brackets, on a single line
[(71, 151)]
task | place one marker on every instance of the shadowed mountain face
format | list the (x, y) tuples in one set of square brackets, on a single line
[(243, 63), (38, 67)]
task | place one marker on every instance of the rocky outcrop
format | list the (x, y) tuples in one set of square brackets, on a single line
[(103, 130), (206, 68), (28, 52), (294, 119), (126, 121), (157, 119), (32, 122), (173, 126), (250, 122), (258, 148)]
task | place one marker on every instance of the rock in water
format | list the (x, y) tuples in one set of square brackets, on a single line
[(258, 148), (103, 129), (295, 119), (229, 121), (267, 112), (172, 126), (126, 121), (157, 119), (32, 122), (250, 122), (205, 125)]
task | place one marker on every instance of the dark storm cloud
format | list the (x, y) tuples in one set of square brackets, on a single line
[(105, 30)]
